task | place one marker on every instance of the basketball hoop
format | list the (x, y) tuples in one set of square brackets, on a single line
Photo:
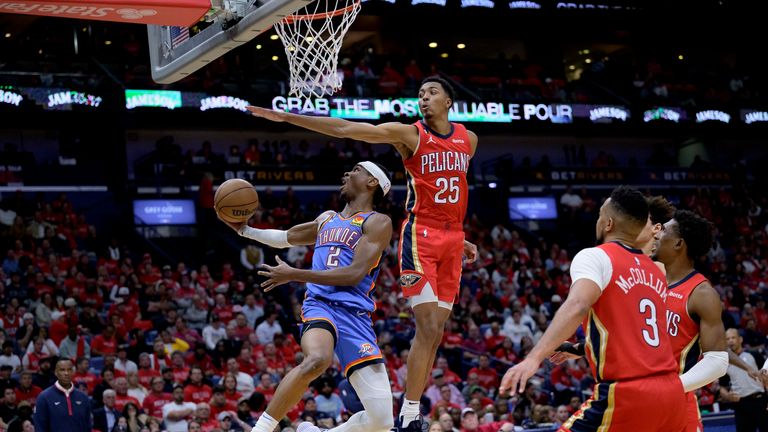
[(312, 37)]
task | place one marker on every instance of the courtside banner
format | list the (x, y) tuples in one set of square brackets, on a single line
[(159, 12)]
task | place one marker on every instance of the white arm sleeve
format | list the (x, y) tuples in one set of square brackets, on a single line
[(711, 367), (593, 264), (275, 238)]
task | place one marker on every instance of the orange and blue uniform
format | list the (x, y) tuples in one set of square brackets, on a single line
[(345, 311)]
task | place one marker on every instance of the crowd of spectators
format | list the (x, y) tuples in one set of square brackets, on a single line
[(177, 346)]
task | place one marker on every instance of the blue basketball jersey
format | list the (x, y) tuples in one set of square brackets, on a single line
[(337, 239)]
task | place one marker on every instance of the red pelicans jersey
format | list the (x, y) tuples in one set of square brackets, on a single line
[(625, 329), (684, 334), (682, 328), (437, 176)]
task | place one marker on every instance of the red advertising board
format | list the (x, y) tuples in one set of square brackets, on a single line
[(161, 12)]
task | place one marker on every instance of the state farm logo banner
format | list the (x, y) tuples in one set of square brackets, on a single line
[(158, 12)]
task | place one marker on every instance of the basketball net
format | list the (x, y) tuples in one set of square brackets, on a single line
[(312, 37)]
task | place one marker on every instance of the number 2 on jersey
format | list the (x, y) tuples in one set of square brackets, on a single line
[(652, 337), (333, 257), (448, 187)]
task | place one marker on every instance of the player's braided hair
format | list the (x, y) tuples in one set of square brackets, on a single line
[(695, 231)]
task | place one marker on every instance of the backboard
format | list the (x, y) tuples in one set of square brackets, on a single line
[(174, 54)]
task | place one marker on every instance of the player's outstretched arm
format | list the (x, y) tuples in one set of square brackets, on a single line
[(377, 232), (705, 303), (584, 293), (404, 137), (301, 234)]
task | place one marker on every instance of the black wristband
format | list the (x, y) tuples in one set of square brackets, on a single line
[(570, 348)]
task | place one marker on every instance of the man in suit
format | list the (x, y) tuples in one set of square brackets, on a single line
[(104, 418)]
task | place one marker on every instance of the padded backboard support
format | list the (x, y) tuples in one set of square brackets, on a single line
[(172, 64)]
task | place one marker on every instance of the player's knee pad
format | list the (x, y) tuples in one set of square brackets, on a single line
[(372, 385)]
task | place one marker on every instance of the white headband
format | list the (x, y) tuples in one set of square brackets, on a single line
[(378, 174)]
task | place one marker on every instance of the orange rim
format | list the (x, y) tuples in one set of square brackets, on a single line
[(292, 18)]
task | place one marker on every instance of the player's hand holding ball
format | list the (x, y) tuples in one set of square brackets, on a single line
[(235, 202)]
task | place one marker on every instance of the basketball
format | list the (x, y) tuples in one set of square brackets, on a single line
[(236, 201)]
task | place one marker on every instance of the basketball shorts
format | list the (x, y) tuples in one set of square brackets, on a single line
[(356, 345), (653, 404), (431, 254), (694, 417)]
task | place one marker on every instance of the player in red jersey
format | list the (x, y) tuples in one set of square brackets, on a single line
[(677, 258), (694, 321), (620, 295), (436, 154)]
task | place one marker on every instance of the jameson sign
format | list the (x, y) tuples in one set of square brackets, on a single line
[(152, 98)]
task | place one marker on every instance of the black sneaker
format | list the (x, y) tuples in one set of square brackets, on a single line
[(418, 425)]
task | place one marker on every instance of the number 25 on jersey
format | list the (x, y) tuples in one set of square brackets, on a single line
[(449, 190)]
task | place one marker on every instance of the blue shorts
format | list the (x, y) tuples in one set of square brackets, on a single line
[(352, 329)]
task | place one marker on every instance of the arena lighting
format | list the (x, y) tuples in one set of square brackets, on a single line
[(492, 185), (275, 58), (7, 35), (461, 46), (274, 37), (444, 55), (680, 57), (432, 45), (107, 42), (258, 46), (588, 61), (572, 67)]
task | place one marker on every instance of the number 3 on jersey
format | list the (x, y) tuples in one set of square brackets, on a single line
[(449, 187), (652, 337)]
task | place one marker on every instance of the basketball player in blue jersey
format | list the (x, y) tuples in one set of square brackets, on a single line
[(338, 305)]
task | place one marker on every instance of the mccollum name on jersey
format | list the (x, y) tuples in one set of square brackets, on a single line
[(638, 276)]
